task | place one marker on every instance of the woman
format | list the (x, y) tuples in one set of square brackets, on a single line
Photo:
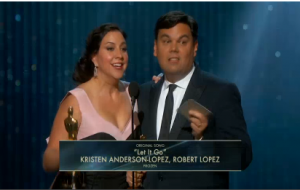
[(101, 101)]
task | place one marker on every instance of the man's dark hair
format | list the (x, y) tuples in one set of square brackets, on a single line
[(173, 18)]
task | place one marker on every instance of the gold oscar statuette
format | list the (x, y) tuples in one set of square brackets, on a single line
[(70, 180), (71, 125), (142, 137)]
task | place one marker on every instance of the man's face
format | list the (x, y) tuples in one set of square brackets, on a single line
[(175, 51)]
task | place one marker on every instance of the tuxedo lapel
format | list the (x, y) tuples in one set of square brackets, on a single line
[(194, 91), (154, 97)]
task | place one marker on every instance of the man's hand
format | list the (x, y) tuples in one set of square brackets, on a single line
[(157, 78), (138, 178), (199, 123)]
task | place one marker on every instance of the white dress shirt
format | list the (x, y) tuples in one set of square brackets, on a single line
[(178, 94)]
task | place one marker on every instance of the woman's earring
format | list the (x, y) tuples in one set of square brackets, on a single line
[(95, 71)]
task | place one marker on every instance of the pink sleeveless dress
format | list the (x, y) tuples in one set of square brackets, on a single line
[(92, 124)]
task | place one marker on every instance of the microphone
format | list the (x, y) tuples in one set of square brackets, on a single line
[(134, 91)]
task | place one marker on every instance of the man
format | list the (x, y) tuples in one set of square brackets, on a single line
[(175, 47)]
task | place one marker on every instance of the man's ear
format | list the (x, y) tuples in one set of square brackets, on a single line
[(155, 48), (195, 48)]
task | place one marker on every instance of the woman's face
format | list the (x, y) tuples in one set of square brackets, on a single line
[(112, 57)]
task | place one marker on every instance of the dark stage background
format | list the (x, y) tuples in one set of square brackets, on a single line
[(256, 45)]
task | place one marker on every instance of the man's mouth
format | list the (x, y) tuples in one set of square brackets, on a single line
[(174, 59)]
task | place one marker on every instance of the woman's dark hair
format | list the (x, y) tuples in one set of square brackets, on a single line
[(173, 18), (84, 69)]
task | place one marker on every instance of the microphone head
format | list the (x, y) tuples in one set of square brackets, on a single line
[(134, 89)]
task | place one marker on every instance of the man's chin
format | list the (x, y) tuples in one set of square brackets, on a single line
[(172, 72), (173, 76)]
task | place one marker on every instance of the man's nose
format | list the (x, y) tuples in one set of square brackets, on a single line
[(174, 47)]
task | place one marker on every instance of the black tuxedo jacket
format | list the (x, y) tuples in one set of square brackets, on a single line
[(223, 100)]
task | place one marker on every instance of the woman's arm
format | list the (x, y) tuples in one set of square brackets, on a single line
[(51, 155)]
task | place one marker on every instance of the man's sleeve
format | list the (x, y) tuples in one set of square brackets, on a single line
[(143, 101), (230, 123)]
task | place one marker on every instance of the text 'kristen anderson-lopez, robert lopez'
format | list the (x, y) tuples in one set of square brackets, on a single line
[(150, 159)]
